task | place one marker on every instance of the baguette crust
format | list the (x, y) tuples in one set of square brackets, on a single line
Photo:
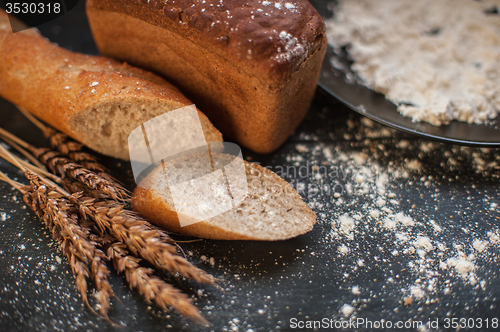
[(253, 77), (155, 209), (156, 206), (63, 87)]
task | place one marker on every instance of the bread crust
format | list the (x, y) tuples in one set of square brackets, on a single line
[(155, 208), (253, 82), (231, 28), (57, 85)]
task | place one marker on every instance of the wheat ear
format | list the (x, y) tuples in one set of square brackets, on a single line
[(60, 216), (150, 286), (78, 267), (142, 238), (65, 167), (143, 280), (132, 230), (66, 146), (139, 235), (64, 215)]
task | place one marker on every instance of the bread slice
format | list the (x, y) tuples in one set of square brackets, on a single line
[(271, 210), (251, 66), (95, 100)]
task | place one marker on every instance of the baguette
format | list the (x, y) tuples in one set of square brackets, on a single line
[(251, 65), (272, 210), (95, 100)]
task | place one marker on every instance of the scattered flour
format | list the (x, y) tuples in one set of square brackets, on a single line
[(347, 225), (417, 292), (437, 60), (480, 245), (423, 242), (463, 264), (420, 246), (347, 310)]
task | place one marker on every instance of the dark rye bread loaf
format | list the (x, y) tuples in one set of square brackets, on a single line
[(96, 100), (251, 66)]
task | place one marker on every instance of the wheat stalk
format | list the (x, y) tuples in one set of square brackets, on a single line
[(140, 236), (59, 215), (53, 206), (65, 167), (25, 153), (66, 146), (151, 287), (56, 217)]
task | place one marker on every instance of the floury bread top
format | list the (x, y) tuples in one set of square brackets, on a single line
[(250, 66), (276, 35)]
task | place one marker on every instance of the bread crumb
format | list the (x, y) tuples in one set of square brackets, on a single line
[(375, 214), (436, 227), (494, 238), (343, 249), (347, 224), (301, 148), (407, 301), (3, 216)]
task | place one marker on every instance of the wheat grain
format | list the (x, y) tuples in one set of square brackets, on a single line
[(73, 150), (66, 168), (140, 237), (149, 286), (65, 145), (60, 210), (57, 211)]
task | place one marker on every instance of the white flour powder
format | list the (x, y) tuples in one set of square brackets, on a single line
[(437, 60), (429, 251)]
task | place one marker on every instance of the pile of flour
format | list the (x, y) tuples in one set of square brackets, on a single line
[(437, 60)]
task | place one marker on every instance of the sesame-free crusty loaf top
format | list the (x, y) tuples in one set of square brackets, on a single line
[(251, 66)]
